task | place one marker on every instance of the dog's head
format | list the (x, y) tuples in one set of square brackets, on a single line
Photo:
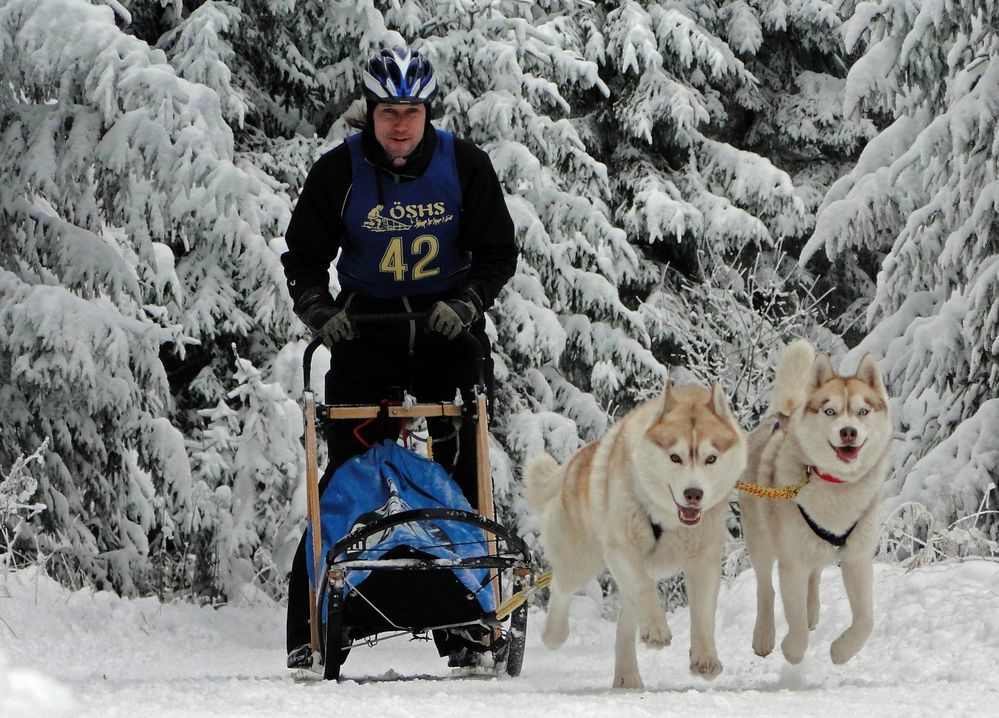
[(845, 427), (692, 454)]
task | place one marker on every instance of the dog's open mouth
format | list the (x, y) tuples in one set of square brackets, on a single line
[(689, 515), (847, 452)]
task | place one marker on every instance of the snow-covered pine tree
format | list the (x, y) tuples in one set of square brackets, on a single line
[(17, 489), (570, 351), (719, 138), (924, 195), (252, 461), (132, 234)]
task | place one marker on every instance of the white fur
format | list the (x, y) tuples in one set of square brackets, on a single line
[(597, 512), (774, 529)]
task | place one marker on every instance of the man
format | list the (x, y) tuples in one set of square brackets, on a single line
[(420, 224)]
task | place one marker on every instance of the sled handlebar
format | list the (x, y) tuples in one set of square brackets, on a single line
[(465, 337)]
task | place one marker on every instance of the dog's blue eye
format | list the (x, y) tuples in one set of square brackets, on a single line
[(711, 460), (830, 412), (675, 458), (863, 412)]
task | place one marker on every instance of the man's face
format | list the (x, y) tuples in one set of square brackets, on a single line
[(399, 129)]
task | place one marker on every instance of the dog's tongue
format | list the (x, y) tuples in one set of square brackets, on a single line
[(689, 515), (847, 453)]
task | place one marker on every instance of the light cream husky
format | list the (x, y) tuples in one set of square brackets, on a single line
[(647, 499), (833, 433)]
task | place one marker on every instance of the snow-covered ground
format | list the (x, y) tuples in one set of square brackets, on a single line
[(934, 652)]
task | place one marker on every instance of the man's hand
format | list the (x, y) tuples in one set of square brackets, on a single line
[(330, 323), (450, 317), (337, 328)]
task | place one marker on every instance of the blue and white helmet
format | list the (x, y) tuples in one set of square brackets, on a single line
[(399, 76)]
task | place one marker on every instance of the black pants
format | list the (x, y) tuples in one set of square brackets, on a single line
[(378, 364)]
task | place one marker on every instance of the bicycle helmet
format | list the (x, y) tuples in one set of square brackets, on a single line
[(399, 76)]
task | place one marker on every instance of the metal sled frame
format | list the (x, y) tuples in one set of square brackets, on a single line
[(507, 552)]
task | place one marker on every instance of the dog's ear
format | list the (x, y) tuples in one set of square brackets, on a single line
[(822, 370), (719, 401), (869, 373), (665, 401)]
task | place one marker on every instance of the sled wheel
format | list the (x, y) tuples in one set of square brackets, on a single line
[(334, 652), (516, 639), (516, 634)]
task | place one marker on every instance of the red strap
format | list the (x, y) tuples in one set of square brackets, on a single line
[(357, 432), (825, 477), (367, 422)]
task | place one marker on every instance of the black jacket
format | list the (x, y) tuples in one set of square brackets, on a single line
[(316, 226)]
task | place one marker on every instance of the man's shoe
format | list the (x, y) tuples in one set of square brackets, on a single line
[(468, 650), (300, 657), (464, 658)]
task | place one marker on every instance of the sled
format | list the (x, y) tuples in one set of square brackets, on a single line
[(423, 560)]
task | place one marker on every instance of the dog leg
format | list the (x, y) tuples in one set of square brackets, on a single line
[(703, 578), (858, 579), (626, 673), (764, 633), (636, 585), (794, 592), (813, 598), (557, 622)]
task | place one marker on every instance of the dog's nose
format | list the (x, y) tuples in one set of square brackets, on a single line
[(848, 434), (693, 496)]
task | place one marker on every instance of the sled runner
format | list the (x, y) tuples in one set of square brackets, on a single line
[(395, 549)]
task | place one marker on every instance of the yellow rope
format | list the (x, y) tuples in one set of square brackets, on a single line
[(787, 493), (509, 605), (430, 446)]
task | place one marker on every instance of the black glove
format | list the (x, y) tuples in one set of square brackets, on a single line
[(331, 324), (450, 317)]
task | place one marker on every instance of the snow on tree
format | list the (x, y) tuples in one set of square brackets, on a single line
[(715, 105), (512, 76), (661, 160), (17, 488), (249, 457), (131, 232), (924, 196)]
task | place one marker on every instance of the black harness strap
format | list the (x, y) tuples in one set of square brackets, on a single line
[(837, 540), (657, 530)]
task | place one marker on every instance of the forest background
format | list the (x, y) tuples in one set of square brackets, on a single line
[(693, 183)]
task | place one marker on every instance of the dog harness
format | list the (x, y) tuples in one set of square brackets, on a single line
[(837, 540), (657, 530), (790, 493)]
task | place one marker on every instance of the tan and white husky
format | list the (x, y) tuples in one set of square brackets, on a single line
[(832, 434), (646, 500)]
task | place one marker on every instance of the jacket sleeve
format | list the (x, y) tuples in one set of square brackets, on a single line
[(487, 229), (313, 235)]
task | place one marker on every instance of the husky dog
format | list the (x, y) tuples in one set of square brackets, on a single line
[(646, 500), (830, 434)]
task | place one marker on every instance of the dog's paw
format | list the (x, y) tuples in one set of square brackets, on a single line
[(847, 645), (657, 634), (763, 641), (630, 679), (794, 648), (555, 634), (706, 666)]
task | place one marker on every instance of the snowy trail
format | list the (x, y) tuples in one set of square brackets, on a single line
[(82, 654)]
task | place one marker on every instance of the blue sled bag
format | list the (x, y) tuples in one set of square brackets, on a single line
[(389, 479)]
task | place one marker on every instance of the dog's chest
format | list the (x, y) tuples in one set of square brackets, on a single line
[(675, 546)]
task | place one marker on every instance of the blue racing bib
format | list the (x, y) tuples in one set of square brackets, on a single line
[(407, 243)]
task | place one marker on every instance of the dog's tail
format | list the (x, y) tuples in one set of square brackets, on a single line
[(793, 375), (543, 480)]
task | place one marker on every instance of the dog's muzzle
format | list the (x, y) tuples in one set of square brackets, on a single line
[(847, 452)]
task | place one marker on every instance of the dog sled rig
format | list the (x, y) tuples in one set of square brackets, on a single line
[(394, 548)]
